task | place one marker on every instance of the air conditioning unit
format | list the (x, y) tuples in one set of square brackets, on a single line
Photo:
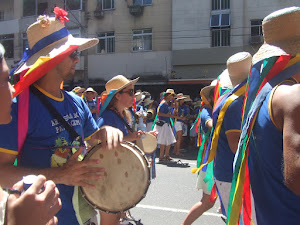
[(136, 10), (259, 39), (99, 14)]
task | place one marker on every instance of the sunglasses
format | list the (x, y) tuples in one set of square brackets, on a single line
[(74, 54), (130, 92)]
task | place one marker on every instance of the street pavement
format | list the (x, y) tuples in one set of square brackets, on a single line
[(171, 195)]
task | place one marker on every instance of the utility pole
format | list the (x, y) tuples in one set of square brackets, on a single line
[(85, 52)]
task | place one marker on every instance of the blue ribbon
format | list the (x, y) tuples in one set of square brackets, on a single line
[(44, 42)]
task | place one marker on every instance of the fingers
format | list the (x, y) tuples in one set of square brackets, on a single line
[(56, 206), (18, 186), (53, 221), (38, 184)]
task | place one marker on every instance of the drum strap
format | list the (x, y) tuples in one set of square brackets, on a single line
[(74, 135)]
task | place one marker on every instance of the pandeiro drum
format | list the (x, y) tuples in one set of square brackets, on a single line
[(126, 178)]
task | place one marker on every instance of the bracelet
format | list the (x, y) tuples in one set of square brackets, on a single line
[(14, 191)]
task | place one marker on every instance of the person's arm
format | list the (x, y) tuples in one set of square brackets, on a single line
[(170, 116), (286, 114), (209, 124), (233, 137), (72, 173)]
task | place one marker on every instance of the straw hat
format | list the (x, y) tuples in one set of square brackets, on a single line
[(139, 96), (170, 91), (281, 32), (238, 67), (49, 37), (90, 89), (78, 89), (148, 101), (206, 90), (180, 96), (187, 98), (118, 82)]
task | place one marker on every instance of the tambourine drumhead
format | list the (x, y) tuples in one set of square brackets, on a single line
[(147, 143), (126, 178)]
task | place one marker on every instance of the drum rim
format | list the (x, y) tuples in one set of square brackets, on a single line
[(139, 200)]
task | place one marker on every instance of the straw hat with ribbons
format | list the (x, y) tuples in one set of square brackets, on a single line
[(281, 33), (148, 101), (113, 86), (49, 43)]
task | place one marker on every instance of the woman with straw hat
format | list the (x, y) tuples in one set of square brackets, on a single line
[(116, 114), (163, 126), (180, 127), (90, 96), (270, 135), (41, 143)]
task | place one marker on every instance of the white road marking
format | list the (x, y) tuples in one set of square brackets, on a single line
[(174, 210)]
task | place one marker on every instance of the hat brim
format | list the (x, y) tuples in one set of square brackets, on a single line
[(126, 85), (267, 51), (58, 47), (79, 90), (148, 102), (204, 93), (181, 98)]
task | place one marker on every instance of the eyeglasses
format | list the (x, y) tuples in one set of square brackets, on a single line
[(130, 92), (74, 54)]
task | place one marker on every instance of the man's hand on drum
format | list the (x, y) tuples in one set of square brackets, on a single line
[(78, 173), (110, 137)]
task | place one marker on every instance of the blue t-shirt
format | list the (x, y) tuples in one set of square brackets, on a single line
[(164, 108), (92, 105), (274, 203), (110, 118), (48, 144), (183, 111), (224, 156), (205, 116)]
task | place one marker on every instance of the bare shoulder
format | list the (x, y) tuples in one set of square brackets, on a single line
[(286, 103)]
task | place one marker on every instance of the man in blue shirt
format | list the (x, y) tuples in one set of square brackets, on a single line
[(48, 148)]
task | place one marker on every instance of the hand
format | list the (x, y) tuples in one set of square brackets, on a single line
[(109, 136), (33, 207), (77, 173)]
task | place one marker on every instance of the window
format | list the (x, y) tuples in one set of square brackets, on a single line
[(106, 43), (256, 28), (29, 7), (220, 20), (220, 4), (142, 2), (1, 15), (73, 5), (25, 40), (108, 4), (142, 40), (7, 41), (220, 37)]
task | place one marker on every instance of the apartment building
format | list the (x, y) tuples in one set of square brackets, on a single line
[(206, 33), (168, 43), (134, 36)]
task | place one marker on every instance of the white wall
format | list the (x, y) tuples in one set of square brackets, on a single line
[(129, 64)]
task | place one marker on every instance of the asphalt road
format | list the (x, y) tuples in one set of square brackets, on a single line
[(171, 195)]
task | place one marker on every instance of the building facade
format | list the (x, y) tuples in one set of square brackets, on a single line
[(206, 33), (170, 43), (134, 36)]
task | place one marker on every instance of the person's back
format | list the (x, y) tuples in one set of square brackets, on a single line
[(271, 195)]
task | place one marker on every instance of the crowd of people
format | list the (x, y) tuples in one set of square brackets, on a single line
[(246, 127)]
